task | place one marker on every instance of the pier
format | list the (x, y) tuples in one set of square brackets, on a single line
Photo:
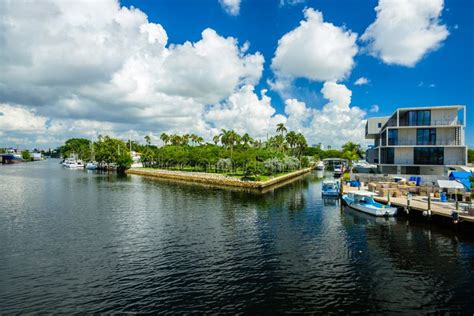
[(421, 205)]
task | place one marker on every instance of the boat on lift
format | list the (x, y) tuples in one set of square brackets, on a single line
[(320, 166), (330, 189)]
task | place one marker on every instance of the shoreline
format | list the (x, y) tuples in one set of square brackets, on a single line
[(215, 179)]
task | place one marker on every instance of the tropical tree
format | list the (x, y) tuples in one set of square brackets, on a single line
[(246, 139), (164, 138), (354, 148), (281, 128), (148, 140)]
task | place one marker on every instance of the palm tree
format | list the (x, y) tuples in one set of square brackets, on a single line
[(246, 139), (291, 139), (301, 143), (230, 139), (354, 148), (281, 128), (216, 139), (148, 140), (165, 138)]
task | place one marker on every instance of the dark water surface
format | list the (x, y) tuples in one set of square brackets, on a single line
[(73, 241)]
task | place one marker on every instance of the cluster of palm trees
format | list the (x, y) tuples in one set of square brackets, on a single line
[(285, 141), (175, 139)]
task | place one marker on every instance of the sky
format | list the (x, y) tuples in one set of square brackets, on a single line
[(133, 68)]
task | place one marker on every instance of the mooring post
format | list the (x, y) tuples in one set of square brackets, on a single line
[(408, 202), (457, 202), (388, 198)]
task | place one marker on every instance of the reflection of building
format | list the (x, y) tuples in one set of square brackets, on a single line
[(421, 140)]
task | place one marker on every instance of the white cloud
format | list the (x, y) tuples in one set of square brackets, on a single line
[(291, 2), (315, 50), (105, 63), (405, 30), (244, 112), (232, 7), (336, 123), (375, 108), (361, 81)]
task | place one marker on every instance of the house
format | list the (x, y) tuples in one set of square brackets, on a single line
[(418, 140)]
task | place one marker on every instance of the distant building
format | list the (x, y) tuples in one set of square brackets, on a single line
[(419, 140)]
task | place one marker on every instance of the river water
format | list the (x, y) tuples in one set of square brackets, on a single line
[(78, 241)]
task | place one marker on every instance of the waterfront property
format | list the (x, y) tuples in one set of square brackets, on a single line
[(418, 140)]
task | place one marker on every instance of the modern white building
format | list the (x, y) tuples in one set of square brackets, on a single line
[(419, 140)]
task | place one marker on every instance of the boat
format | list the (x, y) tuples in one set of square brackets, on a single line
[(72, 163), (338, 171), (363, 201), (91, 165), (330, 189), (320, 166), (11, 158)]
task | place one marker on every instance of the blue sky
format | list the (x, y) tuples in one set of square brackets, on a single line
[(450, 68), (442, 74)]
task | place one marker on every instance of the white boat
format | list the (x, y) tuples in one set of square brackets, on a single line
[(338, 171), (330, 188), (72, 163), (320, 166), (363, 201), (91, 165)]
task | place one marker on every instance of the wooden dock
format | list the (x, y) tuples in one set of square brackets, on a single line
[(420, 204)]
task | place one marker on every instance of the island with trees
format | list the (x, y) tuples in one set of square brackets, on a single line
[(230, 157)]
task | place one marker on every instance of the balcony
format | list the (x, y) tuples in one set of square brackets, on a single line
[(409, 142), (440, 122), (453, 162)]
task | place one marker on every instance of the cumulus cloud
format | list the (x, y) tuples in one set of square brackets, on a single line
[(316, 50), (106, 63), (404, 31), (232, 7), (361, 81), (336, 123), (244, 112)]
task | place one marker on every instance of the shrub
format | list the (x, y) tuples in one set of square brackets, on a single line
[(224, 164)]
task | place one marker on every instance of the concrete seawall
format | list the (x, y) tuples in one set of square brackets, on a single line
[(215, 179)]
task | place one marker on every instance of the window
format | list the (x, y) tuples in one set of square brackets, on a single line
[(426, 136), (393, 136), (416, 118), (384, 138), (428, 156), (387, 155), (379, 125)]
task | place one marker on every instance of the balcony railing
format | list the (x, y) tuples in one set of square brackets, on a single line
[(409, 142), (440, 122), (454, 162)]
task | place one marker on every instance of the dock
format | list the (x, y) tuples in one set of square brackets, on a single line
[(420, 204)]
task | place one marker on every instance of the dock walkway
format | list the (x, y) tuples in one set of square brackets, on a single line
[(419, 203)]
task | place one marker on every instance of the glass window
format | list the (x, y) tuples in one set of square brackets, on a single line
[(426, 136), (419, 118), (428, 156), (393, 136), (387, 155)]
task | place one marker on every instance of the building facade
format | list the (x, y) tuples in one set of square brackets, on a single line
[(419, 140)]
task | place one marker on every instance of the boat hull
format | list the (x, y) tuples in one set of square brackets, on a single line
[(370, 209)]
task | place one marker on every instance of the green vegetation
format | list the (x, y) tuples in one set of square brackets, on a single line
[(25, 154), (229, 153), (108, 151), (470, 155)]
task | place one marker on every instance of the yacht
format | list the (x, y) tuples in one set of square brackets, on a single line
[(72, 163), (337, 171), (363, 201)]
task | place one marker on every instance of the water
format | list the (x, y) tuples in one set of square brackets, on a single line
[(73, 241)]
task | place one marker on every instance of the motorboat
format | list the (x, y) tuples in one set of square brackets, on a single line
[(91, 165), (363, 201), (338, 171), (72, 163), (320, 166), (330, 188)]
